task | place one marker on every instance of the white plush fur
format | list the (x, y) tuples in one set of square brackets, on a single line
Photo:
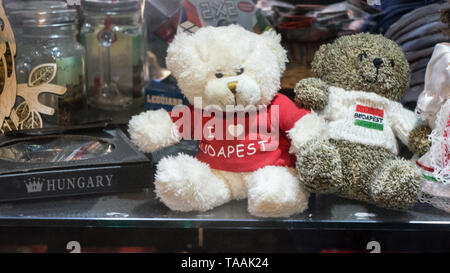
[(275, 192), (217, 92), (237, 183), (194, 59), (183, 183), (310, 127), (153, 130)]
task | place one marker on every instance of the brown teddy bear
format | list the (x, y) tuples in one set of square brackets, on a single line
[(360, 79)]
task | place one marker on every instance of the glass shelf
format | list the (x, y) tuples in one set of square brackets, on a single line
[(143, 210)]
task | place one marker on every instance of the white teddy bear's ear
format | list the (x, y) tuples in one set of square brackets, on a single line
[(273, 41), (182, 54)]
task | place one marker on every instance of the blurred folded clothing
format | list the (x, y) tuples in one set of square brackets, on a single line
[(420, 21), (417, 32), (410, 98), (305, 27), (419, 64), (418, 77), (392, 11), (413, 56), (431, 28), (425, 41)]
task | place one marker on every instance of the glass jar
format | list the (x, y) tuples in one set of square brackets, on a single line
[(15, 9), (113, 35), (48, 41)]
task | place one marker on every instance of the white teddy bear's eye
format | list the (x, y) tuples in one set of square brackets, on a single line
[(239, 71), (219, 75)]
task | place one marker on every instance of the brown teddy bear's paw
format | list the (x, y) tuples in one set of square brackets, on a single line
[(418, 140), (319, 167), (311, 93), (397, 186)]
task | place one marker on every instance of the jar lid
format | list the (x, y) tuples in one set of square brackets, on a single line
[(112, 6), (35, 5), (45, 17)]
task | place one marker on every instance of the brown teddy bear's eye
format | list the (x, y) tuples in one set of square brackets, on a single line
[(391, 62), (240, 71), (362, 55), (219, 75)]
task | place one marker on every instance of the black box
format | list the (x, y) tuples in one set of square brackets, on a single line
[(120, 167)]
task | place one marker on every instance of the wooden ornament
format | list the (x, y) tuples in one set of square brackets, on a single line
[(27, 115), (7, 68)]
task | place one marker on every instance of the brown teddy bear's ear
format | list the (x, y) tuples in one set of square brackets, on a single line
[(318, 64), (273, 42), (182, 54)]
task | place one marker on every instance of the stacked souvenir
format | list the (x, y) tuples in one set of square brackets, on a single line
[(417, 32), (433, 107)]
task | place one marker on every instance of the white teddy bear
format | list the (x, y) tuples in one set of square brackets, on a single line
[(219, 69)]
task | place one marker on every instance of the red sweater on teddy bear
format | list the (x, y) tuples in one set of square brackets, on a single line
[(241, 141)]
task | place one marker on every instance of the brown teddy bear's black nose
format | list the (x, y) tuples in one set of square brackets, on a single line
[(377, 62)]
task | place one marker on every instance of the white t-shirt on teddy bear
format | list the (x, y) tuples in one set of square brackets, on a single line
[(367, 118)]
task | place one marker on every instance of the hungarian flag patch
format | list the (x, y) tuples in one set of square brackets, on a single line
[(368, 117)]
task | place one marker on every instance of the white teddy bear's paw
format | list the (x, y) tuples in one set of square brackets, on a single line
[(275, 192), (185, 184), (153, 130)]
